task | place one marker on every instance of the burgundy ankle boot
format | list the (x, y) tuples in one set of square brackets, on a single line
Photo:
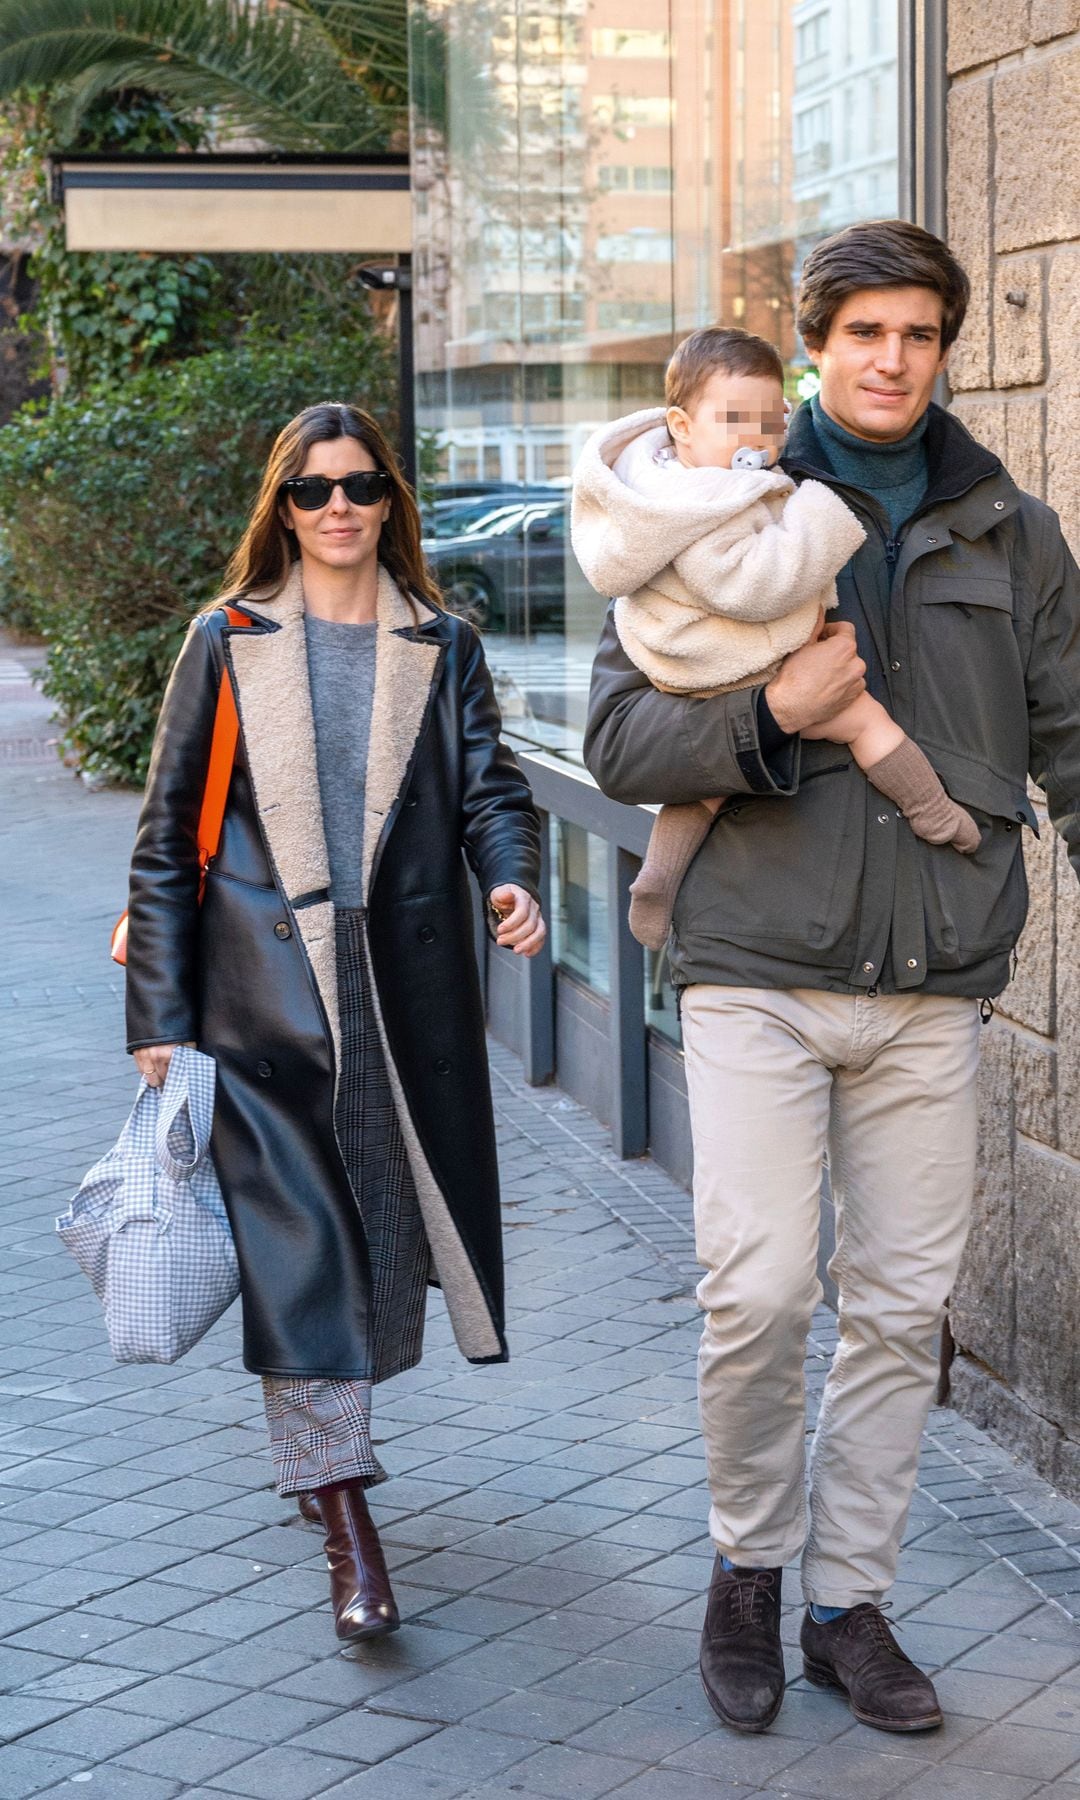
[(308, 1508), (364, 1606)]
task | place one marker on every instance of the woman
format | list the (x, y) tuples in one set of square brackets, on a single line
[(330, 969)]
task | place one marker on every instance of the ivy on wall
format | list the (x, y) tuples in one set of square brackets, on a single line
[(99, 317)]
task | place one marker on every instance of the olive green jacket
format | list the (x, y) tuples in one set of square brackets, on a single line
[(969, 623)]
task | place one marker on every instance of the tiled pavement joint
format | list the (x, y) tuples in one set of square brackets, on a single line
[(164, 1628)]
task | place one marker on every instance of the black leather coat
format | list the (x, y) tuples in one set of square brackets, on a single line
[(250, 976)]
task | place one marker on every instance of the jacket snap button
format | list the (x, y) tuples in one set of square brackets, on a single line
[(912, 962), (931, 540), (1008, 824), (894, 665), (1021, 816), (281, 930), (883, 818), (265, 1069), (868, 968), (999, 506), (442, 1067), (426, 934)]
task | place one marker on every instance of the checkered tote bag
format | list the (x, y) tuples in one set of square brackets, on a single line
[(148, 1226)]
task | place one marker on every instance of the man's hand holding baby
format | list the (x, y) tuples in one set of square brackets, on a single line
[(818, 681)]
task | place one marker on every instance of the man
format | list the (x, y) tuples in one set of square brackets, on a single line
[(832, 964)]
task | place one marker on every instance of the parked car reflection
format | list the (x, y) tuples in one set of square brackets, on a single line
[(500, 558)]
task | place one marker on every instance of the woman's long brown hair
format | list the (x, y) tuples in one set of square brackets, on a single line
[(266, 553)]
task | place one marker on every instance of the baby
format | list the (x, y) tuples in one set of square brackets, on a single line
[(724, 567)]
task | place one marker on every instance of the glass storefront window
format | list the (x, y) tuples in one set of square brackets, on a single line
[(579, 909), (595, 178), (660, 1008)]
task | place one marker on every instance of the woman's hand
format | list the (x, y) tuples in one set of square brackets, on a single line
[(521, 928), (153, 1062)]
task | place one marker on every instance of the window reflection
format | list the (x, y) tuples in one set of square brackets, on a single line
[(579, 916), (593, 179)]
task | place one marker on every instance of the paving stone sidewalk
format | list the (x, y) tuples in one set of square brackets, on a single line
[(163, 1620)]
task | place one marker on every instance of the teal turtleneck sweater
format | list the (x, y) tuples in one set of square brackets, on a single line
[(894, 475)]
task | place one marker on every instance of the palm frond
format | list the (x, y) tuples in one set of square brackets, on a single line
[(277, 75), (372, 38)]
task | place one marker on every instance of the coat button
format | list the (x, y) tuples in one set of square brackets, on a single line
[(912, 962), (894, 666), (281, 930), (264, 1069), (999, 506), (868, 968), (442, 1067), (426, 934), (883, 818), (1021, 816)]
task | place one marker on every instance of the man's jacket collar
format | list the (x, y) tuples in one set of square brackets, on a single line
[(962, 474)]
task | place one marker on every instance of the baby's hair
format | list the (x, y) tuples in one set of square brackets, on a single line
[(725, 347)]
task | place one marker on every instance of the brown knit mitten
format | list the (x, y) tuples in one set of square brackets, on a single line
[(907, 778), (675, 840)]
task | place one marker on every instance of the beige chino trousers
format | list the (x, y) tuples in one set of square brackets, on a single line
[(887, 1083)]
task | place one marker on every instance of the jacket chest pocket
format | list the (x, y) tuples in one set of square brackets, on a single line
[(969, 694)]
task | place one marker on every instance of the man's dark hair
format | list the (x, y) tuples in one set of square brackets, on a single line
[(884, 253), (725, 347)]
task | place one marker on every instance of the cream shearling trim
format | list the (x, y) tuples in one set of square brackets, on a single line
[(274, 703), (721, 571)]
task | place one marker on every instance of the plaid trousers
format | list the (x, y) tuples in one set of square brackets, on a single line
[(320, 1432)]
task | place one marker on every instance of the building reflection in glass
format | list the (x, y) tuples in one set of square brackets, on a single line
[(593, 179)]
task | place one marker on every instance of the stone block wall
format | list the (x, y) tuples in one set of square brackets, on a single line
[(1014, 218)]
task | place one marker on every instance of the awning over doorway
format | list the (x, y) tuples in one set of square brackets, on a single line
[(236, 203)]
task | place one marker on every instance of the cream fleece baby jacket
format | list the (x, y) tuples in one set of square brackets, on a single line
[(719, 573)]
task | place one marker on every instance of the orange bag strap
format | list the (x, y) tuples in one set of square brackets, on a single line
[(222, 756), (216, 792)]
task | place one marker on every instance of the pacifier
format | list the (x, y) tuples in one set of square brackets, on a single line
[(745, 458)]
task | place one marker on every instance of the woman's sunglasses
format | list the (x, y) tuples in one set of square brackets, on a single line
[(362, 488)]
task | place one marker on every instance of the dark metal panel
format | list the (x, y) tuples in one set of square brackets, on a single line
[(629, 1073), (669, 1111), (235, 180), (582, 1031), (906, 109), (406, 376), (538, 1050), (922, 37), (931, 144)]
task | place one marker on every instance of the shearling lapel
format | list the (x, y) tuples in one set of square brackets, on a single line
[(274, 703), (405, 668)]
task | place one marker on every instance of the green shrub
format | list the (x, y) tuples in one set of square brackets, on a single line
[(118, 512)]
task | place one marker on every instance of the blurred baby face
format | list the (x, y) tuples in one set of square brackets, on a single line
[(730, 413)]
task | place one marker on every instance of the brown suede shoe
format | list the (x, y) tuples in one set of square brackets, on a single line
[(308, 1508), (742, 1661), (364, 1605), (858, 1654)]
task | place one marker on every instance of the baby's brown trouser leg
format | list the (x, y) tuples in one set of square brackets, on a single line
[(676, 838), (907, 778)]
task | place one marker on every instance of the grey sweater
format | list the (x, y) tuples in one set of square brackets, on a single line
[(341, 669)]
